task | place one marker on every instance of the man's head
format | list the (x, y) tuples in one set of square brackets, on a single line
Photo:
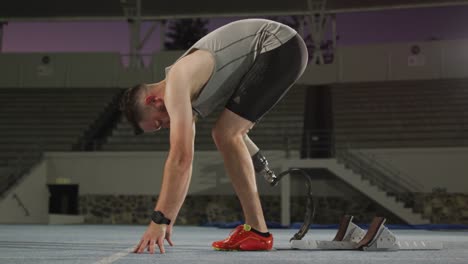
[(143, 106)]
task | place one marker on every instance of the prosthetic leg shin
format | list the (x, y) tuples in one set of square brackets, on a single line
[(261, 168)]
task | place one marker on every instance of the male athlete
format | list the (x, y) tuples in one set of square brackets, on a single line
[(247, 66)]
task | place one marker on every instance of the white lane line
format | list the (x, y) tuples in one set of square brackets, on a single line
[(116, 256)]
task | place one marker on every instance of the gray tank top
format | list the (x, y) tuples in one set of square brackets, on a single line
[(234, 47)]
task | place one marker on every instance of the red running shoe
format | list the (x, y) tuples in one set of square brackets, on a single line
[(243, 239)]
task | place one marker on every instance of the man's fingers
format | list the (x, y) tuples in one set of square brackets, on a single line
[(143, 246), (168, 238), (151, 246), (135, 250), (161, 245)]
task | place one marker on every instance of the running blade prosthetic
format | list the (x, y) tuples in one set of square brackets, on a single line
[(243, 239)]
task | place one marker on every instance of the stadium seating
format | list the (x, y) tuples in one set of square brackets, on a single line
[(279, 129), (36, 120), (401, 114)]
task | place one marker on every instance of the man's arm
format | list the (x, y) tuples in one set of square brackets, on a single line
[(189, 74), (185, 77), (178, 166)]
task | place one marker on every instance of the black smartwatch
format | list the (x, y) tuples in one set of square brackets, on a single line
[(159, 218)]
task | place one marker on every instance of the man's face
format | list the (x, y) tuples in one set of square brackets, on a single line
[(156, 116)]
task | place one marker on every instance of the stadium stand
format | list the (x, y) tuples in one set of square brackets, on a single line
[(36, 120), (401, 114), (280, 129)]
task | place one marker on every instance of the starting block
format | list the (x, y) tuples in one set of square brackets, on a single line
[(350, 236), (377, 238)]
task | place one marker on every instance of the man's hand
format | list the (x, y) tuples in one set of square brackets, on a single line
[(155, 234)]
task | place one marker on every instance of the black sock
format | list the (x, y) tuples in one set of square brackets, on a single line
[(267, 234)]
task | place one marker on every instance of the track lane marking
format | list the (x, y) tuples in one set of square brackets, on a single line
[(115, 257)]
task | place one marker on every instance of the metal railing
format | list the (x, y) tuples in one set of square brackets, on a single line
[(321, 144), (388, 169), (388, 179), (21, 204)]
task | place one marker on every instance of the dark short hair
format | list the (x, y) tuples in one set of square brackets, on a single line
[(130, 108)]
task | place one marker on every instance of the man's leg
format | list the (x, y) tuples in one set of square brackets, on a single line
[(262, 87), (247, 106), (228, 135)]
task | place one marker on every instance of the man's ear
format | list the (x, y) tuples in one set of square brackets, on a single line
[(150, 99), (155, 101)]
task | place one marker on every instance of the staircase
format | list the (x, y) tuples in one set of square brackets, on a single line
[(11, 173), (387, 178), (386, 199)]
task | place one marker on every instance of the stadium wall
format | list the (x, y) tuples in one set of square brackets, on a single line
[(360, 63), (122, 187)]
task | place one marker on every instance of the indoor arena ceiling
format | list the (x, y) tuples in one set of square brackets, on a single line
[(155, 9)]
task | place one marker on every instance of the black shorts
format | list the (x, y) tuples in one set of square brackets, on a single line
[(268, 80)]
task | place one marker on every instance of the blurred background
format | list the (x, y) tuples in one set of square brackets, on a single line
[(379, 119)]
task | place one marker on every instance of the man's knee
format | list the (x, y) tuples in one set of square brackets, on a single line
[(226, 137)]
